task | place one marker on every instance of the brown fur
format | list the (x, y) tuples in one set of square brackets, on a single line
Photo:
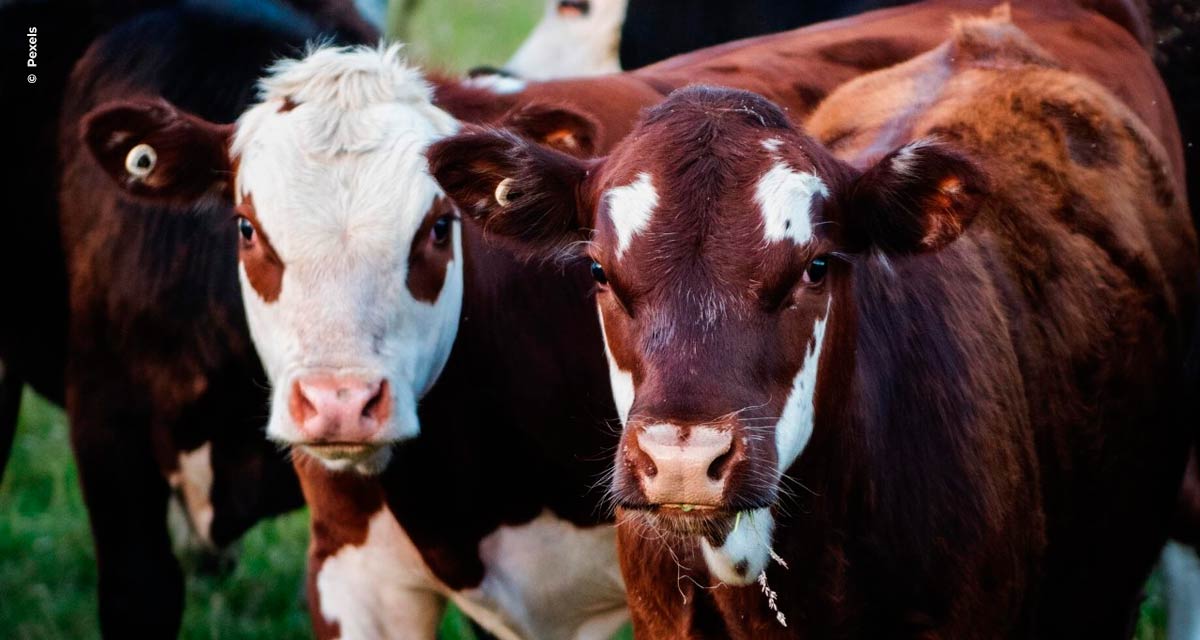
[(263, 267), (428, 259)]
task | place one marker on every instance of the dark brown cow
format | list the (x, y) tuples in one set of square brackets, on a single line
[(931, 386), (108, 313)]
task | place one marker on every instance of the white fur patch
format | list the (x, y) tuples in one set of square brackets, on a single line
[(382, 588), (572, 45), (341, 186), (549, 579), (795, 426), (497, 84), (630, 208), (543, 579), (1181, 578), (620, 380), (193, 480), (748, 545), (785, 197)]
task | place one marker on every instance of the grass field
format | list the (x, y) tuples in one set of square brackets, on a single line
[(47, 573)]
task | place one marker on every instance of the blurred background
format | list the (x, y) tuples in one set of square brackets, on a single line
[(47, 570)]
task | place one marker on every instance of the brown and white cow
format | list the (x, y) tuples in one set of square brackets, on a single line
[(349, 260), (917, 373)]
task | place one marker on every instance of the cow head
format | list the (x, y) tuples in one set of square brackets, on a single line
[(574, 38), (351, 261), (722, 241)]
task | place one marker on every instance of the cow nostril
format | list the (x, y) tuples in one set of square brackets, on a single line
[(720, 466), (302, 408), (377, 406)]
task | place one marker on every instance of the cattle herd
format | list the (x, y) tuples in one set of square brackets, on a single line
[(881, 327)]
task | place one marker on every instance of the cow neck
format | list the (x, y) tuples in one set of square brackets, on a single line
[(516, 423)]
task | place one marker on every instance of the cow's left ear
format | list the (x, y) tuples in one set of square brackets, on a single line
[(918, 198), (560, 128), (529, 196), (160, 153)]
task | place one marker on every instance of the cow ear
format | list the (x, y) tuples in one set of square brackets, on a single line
[(556, 127), (918, 198), (159, 153), (521, 192)]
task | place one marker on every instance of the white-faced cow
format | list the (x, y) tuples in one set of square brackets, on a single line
[(137, 327), (574, 38), (917, 373), (350, 261)]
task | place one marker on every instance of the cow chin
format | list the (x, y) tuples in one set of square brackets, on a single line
[(736, 545), (365, 459)]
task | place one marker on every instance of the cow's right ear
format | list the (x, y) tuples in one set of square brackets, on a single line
[(159, 153), (520, 191)]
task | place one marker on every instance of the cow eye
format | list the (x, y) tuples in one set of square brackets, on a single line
[(598, 273), (245, 228), (816, 270), (140, 161), (441, 229)]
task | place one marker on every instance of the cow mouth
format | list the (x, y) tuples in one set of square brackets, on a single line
[(684, 520), (575, 8), (342, 451)]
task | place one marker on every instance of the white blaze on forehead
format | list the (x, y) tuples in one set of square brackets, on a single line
[(795, 426), (746, 550), (785, 198), (630, 208)]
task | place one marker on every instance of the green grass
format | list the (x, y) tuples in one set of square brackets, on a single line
[(455, 35)]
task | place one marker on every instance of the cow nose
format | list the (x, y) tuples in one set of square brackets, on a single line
[(687, 467), (336, 409)]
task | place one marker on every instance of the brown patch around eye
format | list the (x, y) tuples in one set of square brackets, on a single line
[(263, 267), (428, 260)]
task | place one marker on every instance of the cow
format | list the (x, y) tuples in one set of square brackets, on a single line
[(108, 314), (381, 319), (912, 370), (574, 38)]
